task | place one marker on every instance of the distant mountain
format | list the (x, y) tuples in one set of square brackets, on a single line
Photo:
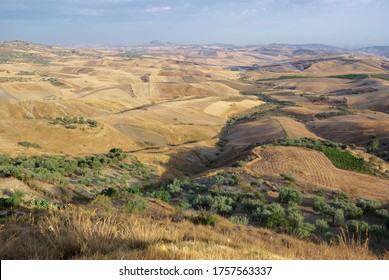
[(379, 50)]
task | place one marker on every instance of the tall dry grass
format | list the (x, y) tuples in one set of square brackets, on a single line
[(80, 233)]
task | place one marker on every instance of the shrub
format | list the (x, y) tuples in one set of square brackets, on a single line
[(271, 215), (304, 230), (111, 192), (322, 225), (136, 190), (205, 218), (43, 204), (219, 180), (368, 206), (378, 232), (339, 195), (360, 228), (102, 202), (373, 144), (319, 203), (252, 204), (203, 202), (136, 204), (384, 215), (176, 187), (161, 194), (294, 216), (290, 195), (243, 220), (234, 179), (256, 183), (15, 199), (222, 205), (351, 211), (288, 177), (339, 217), (27, 145), (198, 188), (184, 204)]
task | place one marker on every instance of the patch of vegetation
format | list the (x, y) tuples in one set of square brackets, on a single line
[(55, 82), (288, 177), (288, 195), (43, 204), (325, 115), (28, 145), (72, 122), (335, 152), (26, 73), (242, 163), (133, 54), (381, 77), (270, 215), (84, 171), (285, 78), (14, 200), (350, 76), (368, 206), (268, 99), (373, 145), (136, 204), (243, 220), (205, 218), (22, 57)]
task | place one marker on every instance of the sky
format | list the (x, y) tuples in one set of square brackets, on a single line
[(342, 23)]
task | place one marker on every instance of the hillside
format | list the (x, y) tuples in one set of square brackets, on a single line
[(197, 152)]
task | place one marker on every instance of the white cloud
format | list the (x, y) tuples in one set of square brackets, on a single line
[(158, 9)]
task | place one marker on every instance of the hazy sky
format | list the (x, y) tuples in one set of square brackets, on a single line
[(345, 23)]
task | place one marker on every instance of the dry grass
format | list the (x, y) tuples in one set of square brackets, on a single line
[(81, 233)]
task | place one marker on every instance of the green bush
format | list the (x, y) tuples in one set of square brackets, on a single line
[(351, 211), (27, 145), (161, 194), (322, 225), (234, 179), (368, 206), (203, 202), (304, 231), (136, 190), (136, 204), (110, 192), (252, 204), (319, 203), (243, 220), (198, 188), (294, 217), (373, 144), (339, 217), (288, 177), (271, 215), (384, 215), (15, 199), (290, 195), (205, 218), (358, 228), (222, 205), (256, 183), (378, 232)]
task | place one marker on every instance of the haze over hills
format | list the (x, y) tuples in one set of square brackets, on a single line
[(215, 151)]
